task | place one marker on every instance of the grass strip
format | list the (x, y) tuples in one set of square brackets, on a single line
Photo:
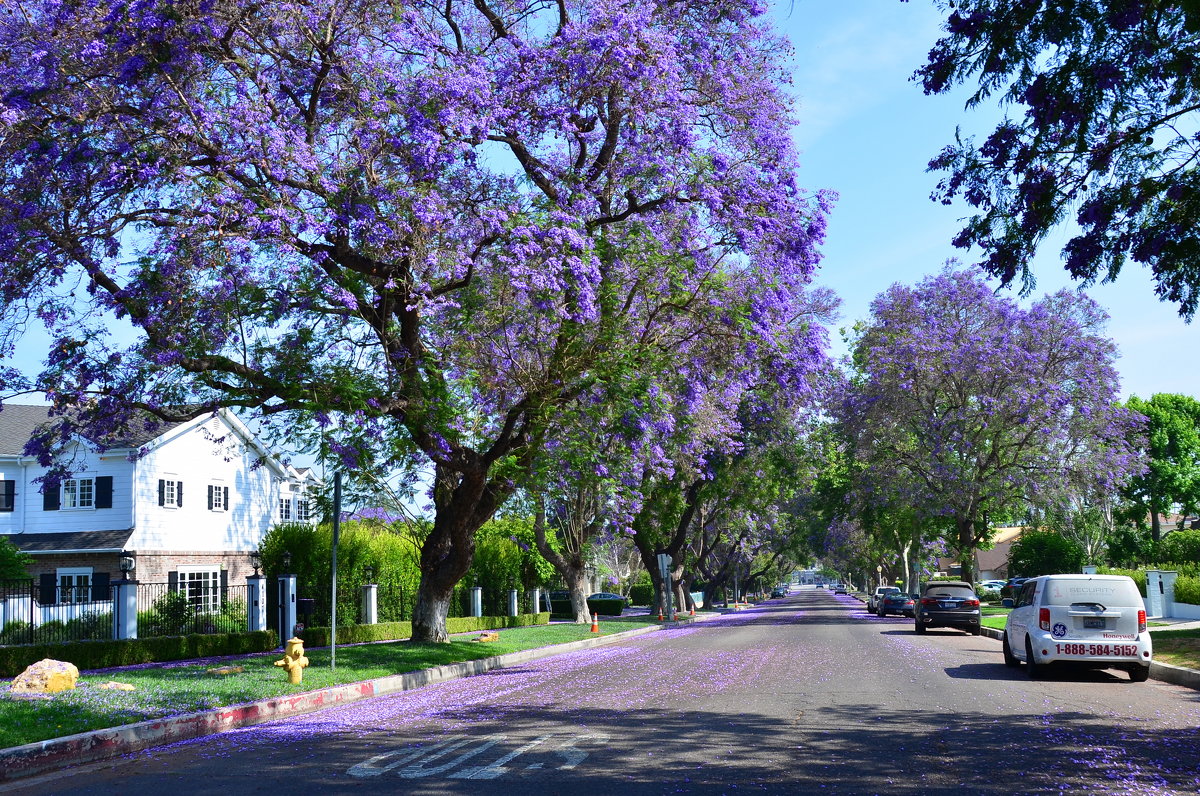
[(182, 687)]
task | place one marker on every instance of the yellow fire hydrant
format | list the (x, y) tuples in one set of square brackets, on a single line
[(293, 660)]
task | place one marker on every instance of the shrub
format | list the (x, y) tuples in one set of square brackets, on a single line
[(1138, 575), (92, 625), (641, 594), (171, 614), (18, 631), (1187, 590), (606, 607), (1181, 547), (1044, 553), (48, 632)]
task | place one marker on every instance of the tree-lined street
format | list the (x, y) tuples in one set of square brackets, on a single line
[(805, 694)]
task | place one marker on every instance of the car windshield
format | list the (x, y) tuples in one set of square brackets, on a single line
[(1065, 591), (896, 597), (949, 591)]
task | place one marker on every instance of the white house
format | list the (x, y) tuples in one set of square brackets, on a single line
[(188, 510)]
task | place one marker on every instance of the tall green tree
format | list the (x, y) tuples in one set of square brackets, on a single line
[(1171, 451)]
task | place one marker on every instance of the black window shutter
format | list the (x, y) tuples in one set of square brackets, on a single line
[(8, 492), (50, 500), (226, 504), (48, 589), (210, 491), (179, 493), (172, 581), (162, 492), (224, 585), (99, 586), (104, 493)]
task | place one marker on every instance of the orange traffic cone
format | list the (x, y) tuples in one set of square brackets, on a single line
[(595, 623), (674, 615), (692, 612), (660, 616)]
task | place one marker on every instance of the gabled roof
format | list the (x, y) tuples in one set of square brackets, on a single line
[(18, 422)]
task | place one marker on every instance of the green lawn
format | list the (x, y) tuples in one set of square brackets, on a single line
[(183, 687)]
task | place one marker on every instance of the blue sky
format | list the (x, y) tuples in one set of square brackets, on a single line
[(867, 132)]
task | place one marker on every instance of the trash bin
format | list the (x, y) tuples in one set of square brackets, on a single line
[(304, 607)]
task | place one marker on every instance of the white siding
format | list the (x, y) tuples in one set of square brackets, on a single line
[(29, 516), (198, 455)]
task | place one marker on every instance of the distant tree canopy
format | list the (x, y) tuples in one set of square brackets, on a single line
[(1105, 101), (1044, 553), (971, 404), (1171, 450)]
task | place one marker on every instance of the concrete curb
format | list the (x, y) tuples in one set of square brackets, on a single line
[(20, 762)]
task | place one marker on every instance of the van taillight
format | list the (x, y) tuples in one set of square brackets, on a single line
[(1044, 618), (1141, 621)]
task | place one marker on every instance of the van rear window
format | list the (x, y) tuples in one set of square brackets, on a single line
[(949, 591), (1061, 591)]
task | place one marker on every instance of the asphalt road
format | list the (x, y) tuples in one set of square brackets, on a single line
[(809, 694)]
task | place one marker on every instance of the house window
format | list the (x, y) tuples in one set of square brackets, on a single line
[(302, 511), (79, 493), (8, 493), (75, 584), (170, 493), (218, 497), (202, 585), (285, 509)]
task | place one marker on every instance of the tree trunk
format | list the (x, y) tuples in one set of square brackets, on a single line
[(576, 580), (966, 549), (464, 502), (429, 614), (1155, 526), (570, 567)]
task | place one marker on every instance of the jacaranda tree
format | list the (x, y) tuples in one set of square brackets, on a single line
[(1105, 103), (976, 404), (407, 232)]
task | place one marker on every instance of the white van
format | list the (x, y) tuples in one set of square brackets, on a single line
[(1098, 621)]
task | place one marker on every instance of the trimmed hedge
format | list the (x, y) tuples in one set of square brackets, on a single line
[(394, 631), (602, 607), (104, 654), (641, 594)]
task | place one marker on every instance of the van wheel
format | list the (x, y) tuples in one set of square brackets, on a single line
[(918, 627), (1009, 658), (1139, 674), (1034, 669)]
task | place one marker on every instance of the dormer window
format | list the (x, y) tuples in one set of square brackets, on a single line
[(79, 493)]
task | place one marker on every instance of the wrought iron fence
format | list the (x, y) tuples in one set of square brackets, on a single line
[(66, 613), (29, 616), (197, 607)]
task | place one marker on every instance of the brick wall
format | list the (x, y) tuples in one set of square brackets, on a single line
[(150, 567)]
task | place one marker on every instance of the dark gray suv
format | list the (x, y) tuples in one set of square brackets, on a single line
[(949, 603)]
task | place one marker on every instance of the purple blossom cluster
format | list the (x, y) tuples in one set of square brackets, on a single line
[(417, 233), (964, 402)]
